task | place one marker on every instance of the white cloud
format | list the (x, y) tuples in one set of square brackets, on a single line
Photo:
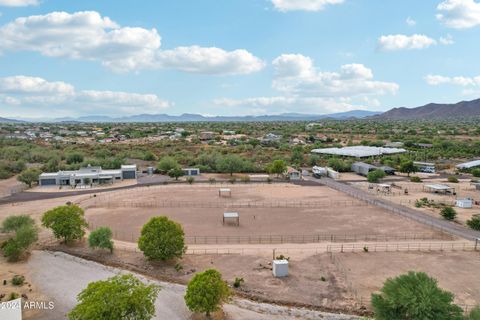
[(282, 104), (459, 14), (305, 89), (31, 93), (89, 36), (435, 80), (18, 3), (447, 40), (403, 42), (296, 74), (305, 5), (410, 22), (212, 60)]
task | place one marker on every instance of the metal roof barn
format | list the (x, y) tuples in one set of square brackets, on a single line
[(468, 165), (359, 151)]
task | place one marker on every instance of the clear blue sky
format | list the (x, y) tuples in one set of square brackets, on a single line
[(233, 57)]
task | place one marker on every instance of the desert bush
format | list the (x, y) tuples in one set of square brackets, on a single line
[(18, 280), (453, 179), (101, 238), (238, 282), (67, 222), (190, 180), (448, 213), (415, 179), (474, 223)]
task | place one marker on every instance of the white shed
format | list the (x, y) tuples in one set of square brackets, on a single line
[(280, 268), (464, 203)]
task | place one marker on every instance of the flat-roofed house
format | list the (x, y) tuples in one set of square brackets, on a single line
[(87, 175)]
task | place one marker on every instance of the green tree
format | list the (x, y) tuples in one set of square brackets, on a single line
[(206, 292), (101, 238), (476, 172), (277, 167), (166, 164), (29, 176), (162, 239), (408, 167), (414, 295), (25, 234), (74, 157), (230, 164), (67, 222), (176, 173), (119, 297), (474, 223), (375, 176), (13, 223), (297, 155), (448, 213), (474, 314)]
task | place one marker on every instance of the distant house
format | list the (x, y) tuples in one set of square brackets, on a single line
[(313, 125), (270, 138), (423, 145), (293, 174), (425, 167), (394, 144), (87, 175), (191, 172), (362, 168)]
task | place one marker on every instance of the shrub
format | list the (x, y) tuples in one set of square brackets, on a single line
[(190, 180), (375, 175), (232, 180), (166, 164), (282, 257), (476, 173), (13, 296), (474, 223), (13, 223), (66, 222), (176, 173), (448, 213), (453, 179), (101, 238), (322, 278), (162, 239), (474, 314), (415, 179), (238, 282), (178, 267), (245, 179), (119, 297), (18, 280), (414, 295), (212, 180), (206, 292), (365, 249)]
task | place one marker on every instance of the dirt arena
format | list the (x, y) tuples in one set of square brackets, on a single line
[(277, 209), (455, 271)]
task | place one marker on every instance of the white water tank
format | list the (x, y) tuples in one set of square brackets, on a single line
[(280, 268)]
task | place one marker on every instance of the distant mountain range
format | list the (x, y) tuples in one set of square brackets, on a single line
[(431, 111), (5, 120), (434, 111), (187, 117)]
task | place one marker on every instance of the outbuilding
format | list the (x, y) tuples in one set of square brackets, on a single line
[(280, 268), (231, 216), (293, 174), (362, 168), (439, 188), (464, 203), (191, 172)]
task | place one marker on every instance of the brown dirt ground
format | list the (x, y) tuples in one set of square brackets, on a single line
[(303, 286), (333, 217), (455, 271)]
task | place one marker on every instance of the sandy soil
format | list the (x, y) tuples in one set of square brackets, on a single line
[(53, 274), (280, 210), (455, 271), (10, 185)]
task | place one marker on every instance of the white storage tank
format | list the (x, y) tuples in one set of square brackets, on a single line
[(280, 268)]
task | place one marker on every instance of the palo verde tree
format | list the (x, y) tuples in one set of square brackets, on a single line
[(230, 164), (206, 292), (29, 176), (119, 297), (101, 238), (25, 233), (277, 167), (448, 213), (414, 295), (67, 222), (162, 239), (166, 164)]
